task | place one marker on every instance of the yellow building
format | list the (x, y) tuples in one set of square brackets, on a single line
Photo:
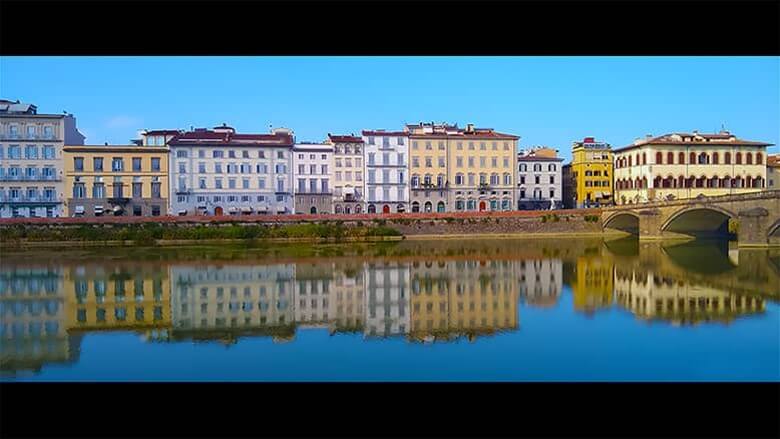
[(686, 165), (453, 169), (117, 297), (588, 179), (116, 180)]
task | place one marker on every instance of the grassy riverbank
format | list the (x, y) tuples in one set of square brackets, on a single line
[(147, 234)]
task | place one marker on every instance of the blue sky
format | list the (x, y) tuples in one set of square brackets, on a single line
[(545, 100)]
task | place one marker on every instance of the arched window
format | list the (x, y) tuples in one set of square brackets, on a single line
[(759, 159), (523, 167), (629, 162), (715, 158), (725, 182), (428, 206), (681, 181), (644, 158), (637, 159), (537, 167), (748, 159), (703, 158), (338, 208), (692, 158), (371, 208), (440, 207), (551, 167), (739, 158), (427, 179), (415, 207), (727, 158), (681, 158), (657, 182), (507, 179), (415, 180), (494, 179), (459, 205), (670, 158), (357, 208), (659, 158)]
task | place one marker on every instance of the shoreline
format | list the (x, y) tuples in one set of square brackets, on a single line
[(21, 244)]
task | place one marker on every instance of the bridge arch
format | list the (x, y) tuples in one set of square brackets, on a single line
[(626, 221), (699, 220)]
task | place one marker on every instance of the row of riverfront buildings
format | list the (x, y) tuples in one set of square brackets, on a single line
[(47, 170)]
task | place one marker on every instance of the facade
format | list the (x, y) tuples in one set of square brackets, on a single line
[(687, 165), (348, 174), (312, 176), (31, 173), (773, 172), (346, 297), (223, 302), (429, 166), (592, 285), (539, 179), (589, 174), (220, 172), (312, 294), (116, 180), (482, 170), (385, 169)]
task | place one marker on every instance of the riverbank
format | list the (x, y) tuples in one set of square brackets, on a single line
[(294, 228)]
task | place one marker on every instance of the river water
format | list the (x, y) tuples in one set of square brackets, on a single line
[(481, 310)]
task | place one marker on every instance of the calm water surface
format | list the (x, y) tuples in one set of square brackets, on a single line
[(508, 310)]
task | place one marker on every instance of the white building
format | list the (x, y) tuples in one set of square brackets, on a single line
[(312, 177), (540, 281), (387, 180), (220, 172), (539, 179), (348, 174), (31, 163)]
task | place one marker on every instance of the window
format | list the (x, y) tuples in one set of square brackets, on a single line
[(201, 153), (659, 158), (156, 189), (31, 131), (280, 154), (137, 189), (48, 132), (137, 164), (31, 152), (218, 183), (98, 190), (217, 154), (155, 210), (182, 154), (231, 183), (14, 152), (117, 164), (78, 163), (118, 189)]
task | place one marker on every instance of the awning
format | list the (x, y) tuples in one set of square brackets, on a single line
[(79, 209), (117, 209), (98, 209), (183, 212), (232, 209), (246, 209), (262, 209)]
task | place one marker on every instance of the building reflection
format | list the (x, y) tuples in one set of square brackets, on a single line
[(126, 296), (33, 327), (462, 298), (592, 282), (540, 281), (386, 284), (225, 302)]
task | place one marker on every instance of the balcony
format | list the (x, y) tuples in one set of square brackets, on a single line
[(30, 178), (184, 191), (22, 199)]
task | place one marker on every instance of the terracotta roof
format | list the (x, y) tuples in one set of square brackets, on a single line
[(531, 158), (345, 139), (376, 133), (231, 139), (773, 161), (667, 139)]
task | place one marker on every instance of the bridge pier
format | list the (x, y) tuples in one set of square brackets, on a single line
[(753, 227)]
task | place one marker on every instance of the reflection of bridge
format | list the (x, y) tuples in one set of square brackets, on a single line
[(758, 214)]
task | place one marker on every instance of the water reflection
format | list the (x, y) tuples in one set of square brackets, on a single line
[(421, 292)]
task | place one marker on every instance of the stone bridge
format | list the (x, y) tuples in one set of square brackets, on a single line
[(757, 213)]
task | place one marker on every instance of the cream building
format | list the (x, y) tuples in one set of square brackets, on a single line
[(686, 165), (348, 174), (31, 160), (482, 170), (773, 172), (429, 166)]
